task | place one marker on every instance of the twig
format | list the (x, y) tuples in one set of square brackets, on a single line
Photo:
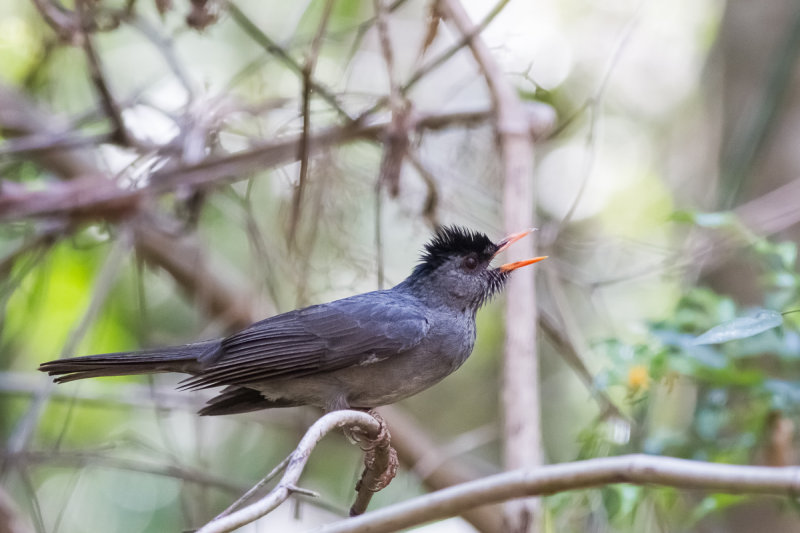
[(80, 458), (395, 138), (352, 420), (467, 37), (273, 48), (570, 354), (308, 77), (553, 479), (255, 488), (120, 134), (430, 208), (520, 400), (593, 105), (758, 120), (65, 23), (439, 60), (166, 47)]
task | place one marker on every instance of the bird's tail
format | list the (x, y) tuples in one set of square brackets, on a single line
[(171, 359)]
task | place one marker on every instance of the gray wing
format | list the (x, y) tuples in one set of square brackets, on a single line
[(322, 338)]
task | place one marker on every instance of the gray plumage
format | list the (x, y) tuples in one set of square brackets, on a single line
[(364, 351)]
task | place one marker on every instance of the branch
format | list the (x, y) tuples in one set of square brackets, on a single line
[(523, 446), (255, 33), (553, 479), (308, 76), (352, 421), (99, 198), (109, 105)]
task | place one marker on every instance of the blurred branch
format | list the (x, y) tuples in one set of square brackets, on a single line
[(520, 398), (110, 107), (353, 421), (554, 479), (760, 119), (65, 23), (305, 157), (466, 39), (255, 33), (430, 208), (81, 458), (555, 333), (100, 198), (773, 212)]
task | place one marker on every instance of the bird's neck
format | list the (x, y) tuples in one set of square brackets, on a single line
[(427, 291)]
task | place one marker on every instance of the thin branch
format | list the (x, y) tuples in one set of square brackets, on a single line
[(166, 48), (255, 488), (430, 208), (395, 138), (120, 134), (593, 105), (439, 60), (82, 459), (273, 48), (554, 479), (355, 421), (465, 40), (308, 77)]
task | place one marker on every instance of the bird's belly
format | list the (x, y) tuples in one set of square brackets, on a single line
[(369, 385), (399, 377)]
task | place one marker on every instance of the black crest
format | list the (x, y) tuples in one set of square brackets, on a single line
[(450, 241)]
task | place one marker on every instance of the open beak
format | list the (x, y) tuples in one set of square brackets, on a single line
[(508, 241)]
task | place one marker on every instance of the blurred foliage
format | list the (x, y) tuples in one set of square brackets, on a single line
[(734, 389)]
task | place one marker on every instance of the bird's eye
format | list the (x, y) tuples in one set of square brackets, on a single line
[(470, 262)]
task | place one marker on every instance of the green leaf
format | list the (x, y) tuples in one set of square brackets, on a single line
[(741, 328)]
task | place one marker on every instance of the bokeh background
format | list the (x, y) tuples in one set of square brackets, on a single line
[(665, 190)]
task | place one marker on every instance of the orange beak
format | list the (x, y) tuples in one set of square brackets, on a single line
[(508, 267), (508, 241)]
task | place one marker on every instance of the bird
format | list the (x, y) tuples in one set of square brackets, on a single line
[(360, 352)]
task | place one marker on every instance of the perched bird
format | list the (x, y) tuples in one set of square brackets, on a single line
[(364, 351)]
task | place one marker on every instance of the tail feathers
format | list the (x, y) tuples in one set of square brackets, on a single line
[(171, 359)]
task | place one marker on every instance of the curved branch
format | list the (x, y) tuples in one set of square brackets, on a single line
[(354, 421), (552, 479)]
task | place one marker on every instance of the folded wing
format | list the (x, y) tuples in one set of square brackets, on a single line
[(360, 330)]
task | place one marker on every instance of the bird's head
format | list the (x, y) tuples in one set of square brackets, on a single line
[(455, 267)]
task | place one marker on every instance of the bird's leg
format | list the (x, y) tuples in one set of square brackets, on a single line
[(380, 465)]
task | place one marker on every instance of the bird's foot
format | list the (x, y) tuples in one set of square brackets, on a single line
[(380, 465)]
